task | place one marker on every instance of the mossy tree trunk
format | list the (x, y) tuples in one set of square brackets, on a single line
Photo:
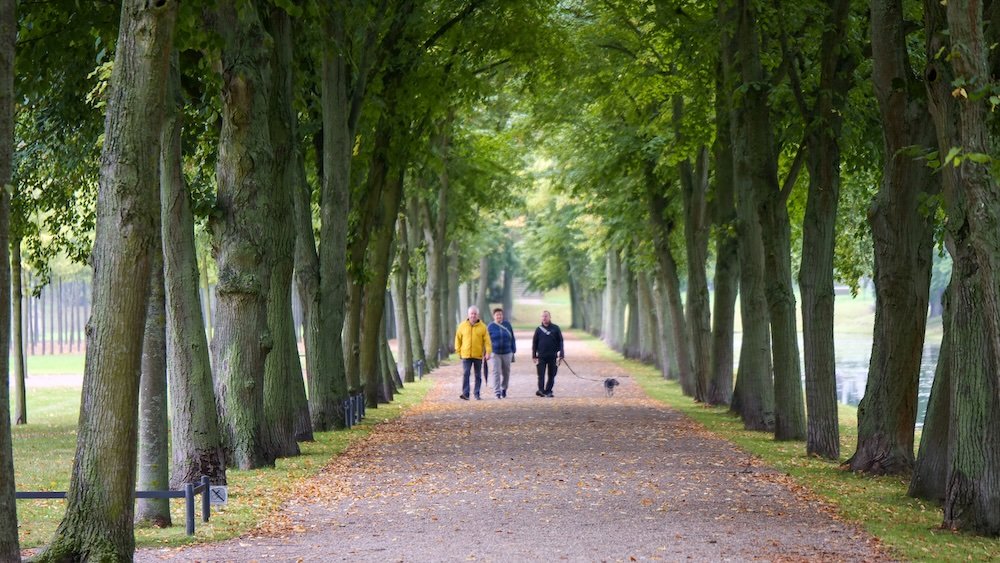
[(17, 341), (282, 369), (902, 232), (9, 547), (401, 295), (154, 442), (243, 235), (972, 494), (196, 442), (97, 525), (819, 232)]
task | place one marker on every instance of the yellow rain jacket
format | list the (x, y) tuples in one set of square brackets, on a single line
[(472, 340)]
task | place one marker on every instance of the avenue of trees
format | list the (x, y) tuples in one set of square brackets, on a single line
[(373, 152)]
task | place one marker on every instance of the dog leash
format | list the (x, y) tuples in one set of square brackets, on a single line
[(564, 362)]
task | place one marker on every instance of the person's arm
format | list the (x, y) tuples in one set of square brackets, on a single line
[(534, 346), (488, 345), (513, 341)]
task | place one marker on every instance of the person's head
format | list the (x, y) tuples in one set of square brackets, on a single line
[(546, 318), (473, 314), (498, 315)]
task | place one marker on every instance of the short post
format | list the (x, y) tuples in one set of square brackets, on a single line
[(348, 406), (206, 498), (361, 406), (420, 369), (189, 507)]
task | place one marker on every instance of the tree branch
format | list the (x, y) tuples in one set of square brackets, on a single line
[(793, 172)]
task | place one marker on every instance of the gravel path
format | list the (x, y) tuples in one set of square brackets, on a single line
[(580, 477)]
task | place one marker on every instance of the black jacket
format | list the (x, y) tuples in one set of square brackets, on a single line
[(547, 342)]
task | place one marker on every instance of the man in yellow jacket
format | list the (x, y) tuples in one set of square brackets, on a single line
[(472, 342)]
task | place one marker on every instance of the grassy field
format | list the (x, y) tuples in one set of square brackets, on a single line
[(59, 364), (527, 314), (50, 438), (910, 527)]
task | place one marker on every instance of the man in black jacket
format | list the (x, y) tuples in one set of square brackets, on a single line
[(546, 350)]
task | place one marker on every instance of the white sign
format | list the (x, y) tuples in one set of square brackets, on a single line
[(218, 494)]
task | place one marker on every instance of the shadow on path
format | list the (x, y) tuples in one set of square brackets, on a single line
[(580, 477)]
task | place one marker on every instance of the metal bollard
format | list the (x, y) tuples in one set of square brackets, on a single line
[(206, 499), (348, 406), (419, 366), (189, 507)]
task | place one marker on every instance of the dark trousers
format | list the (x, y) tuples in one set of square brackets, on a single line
[(545, 386), (477, 365)]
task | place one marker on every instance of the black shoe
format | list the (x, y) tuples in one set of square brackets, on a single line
[(498, 395), (478, 397), (539, 394), (464, 397), (549, 395), (503, 394)]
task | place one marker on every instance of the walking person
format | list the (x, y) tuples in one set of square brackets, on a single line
[(472, 342), (546, 351), (504, 348)]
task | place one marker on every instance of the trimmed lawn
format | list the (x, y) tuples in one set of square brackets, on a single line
[(43, 459)]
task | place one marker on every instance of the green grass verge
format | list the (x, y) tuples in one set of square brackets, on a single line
[(908, 526), (43, 459), (57, 364)]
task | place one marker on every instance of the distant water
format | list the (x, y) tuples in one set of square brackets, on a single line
[(853, 353)]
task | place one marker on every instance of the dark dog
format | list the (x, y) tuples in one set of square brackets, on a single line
[(609, 386)]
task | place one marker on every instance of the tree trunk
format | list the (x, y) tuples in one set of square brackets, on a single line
[(434, 254), (753, 396), (97, 525), (412, 300), (390, 195), (930, 471), (972, 495), (508, 286), (194, 423), (9, 547), (154, 442), (902, 232), (243, 237), (727, 260), (450, 314), (338, 141), (17, 342), (647, 321), (668, 358), (401, 295), (662, 228), (694, 187), (610, 303), (482, 301), (632, 325), (819, 234), (761, 162), (282, 369)]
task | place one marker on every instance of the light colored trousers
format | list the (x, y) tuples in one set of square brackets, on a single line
[(500, 365)]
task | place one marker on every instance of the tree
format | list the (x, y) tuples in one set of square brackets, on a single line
[(196, 441), (98, 520), (902, 229), (9, 548), (973, 205), (243, 249)]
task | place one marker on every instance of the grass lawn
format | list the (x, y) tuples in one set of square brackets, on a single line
[(57, 364), (908, 526), (43, 459), (527, 314)]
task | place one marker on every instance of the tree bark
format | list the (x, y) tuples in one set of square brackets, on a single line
[(930, 470), (404, 341), (243, 236), (648, 335), (662, 228), (666, 354), (9, 546), (194, 423), (154, 442), (972, 494), (902, 232), (17, 341), (282, 369), (97, 524), (482, 301), (632, 325), (819, 235), (761, 166), (694, 187), (727, 260)]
